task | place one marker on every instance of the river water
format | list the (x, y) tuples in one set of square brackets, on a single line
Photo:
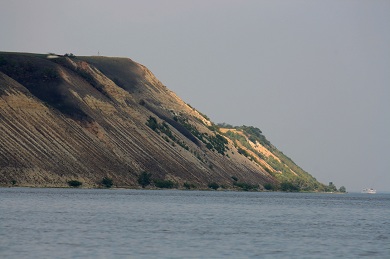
[(85, 223)]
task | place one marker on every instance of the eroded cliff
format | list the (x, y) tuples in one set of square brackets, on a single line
[(86, 118)]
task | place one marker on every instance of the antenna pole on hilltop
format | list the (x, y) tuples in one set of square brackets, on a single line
[(98, 53)]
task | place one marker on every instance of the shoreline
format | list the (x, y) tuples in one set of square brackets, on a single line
[(165, 189)]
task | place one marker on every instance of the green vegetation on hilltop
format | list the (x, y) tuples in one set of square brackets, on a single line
[(291, 176)]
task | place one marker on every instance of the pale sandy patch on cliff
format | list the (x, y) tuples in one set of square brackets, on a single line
[(257, 146), (97, 104), (17, 100), (260, 148)]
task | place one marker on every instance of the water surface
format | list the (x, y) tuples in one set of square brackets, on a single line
[(82, 223)]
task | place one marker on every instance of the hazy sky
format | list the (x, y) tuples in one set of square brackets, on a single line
[(314, 76)]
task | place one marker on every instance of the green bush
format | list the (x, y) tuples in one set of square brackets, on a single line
[(342, 189), (209, 146), (289, 187), (144, 179), (245, 186), (189, 185), (255, 134), (74, 183), (217, 142), (164, 128), (269, 187), (267, 170), (152, 123), (70, 55), (213, 127), (213, 185), (166, 184), (243, 152), (331, 187), (107, 182)]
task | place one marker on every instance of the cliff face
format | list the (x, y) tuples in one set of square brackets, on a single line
[(86, 118)]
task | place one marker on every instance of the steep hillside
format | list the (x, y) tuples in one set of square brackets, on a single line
[(86, 118)]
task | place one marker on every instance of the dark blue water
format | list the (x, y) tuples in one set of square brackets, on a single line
[(80, 223)]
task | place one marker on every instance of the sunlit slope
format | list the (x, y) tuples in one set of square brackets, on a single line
[(251, 143), (86, 118)]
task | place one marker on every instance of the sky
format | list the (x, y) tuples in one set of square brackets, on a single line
[(313, 75)]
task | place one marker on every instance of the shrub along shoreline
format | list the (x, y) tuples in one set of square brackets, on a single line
[(147, 182)]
